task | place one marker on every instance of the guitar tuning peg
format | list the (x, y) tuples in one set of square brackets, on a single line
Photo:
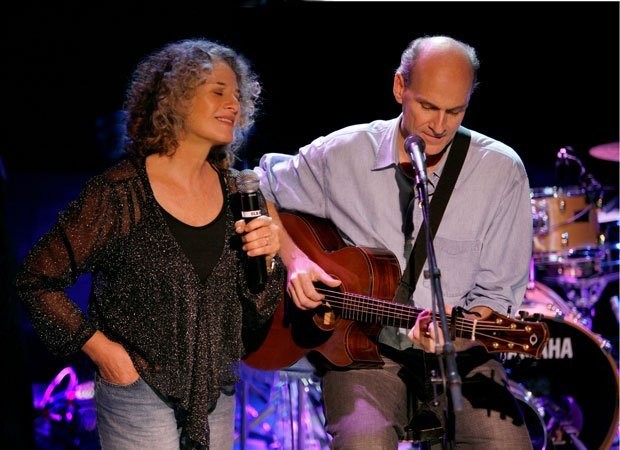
[(537, 317), (523, 314)]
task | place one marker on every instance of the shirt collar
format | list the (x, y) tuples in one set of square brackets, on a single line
[(387, 153)]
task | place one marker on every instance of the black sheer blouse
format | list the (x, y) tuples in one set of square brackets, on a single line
[(183, 335)]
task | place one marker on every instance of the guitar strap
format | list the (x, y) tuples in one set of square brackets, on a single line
[(442, 193)]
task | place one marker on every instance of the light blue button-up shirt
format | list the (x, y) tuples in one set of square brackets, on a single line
[(484, 242)]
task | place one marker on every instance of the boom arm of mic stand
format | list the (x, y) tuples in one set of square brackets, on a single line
[(588, 182), (449, 352)]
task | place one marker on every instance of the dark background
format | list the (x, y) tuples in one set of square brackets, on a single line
[(549, 75), (548, 79)]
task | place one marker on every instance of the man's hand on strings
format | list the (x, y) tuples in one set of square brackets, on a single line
[(302, 273), (425, 333), (428, 334)]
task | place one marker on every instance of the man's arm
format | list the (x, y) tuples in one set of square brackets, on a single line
[(302, 272)]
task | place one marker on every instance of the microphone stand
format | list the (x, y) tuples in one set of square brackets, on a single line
[(589, 184), (452, 379)]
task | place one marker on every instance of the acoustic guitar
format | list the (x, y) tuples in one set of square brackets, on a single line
[(344, 329)]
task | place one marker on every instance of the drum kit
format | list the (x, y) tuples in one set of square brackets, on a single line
[(570, 395)]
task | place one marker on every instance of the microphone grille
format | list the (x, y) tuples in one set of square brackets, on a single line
[(415, 139), (247, 181)]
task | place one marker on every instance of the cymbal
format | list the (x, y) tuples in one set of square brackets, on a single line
[(606, 152)]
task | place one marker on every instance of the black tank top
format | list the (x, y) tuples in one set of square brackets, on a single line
[(203, 245)]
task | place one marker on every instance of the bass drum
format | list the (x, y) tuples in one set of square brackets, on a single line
[(575, 380)]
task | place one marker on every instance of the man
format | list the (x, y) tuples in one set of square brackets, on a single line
[(355, 177)]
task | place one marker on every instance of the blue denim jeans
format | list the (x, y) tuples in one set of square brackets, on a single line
[(134, 417)]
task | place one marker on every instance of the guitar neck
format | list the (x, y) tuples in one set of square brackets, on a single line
[(374, 311), (496, 333), (388, 313)]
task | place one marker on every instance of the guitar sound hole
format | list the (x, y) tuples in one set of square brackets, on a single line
[(313, 327)]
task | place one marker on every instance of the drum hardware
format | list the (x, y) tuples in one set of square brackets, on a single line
[(609, 221), (550, 424), (566, 158), (614, 302), (281, 408), (565, 422), (533, 414), (584, 293), (300, 419), (66, 414)]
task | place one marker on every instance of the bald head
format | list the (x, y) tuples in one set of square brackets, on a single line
[(434, 83), (439, 52)]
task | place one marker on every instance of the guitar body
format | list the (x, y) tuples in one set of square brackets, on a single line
[(341, 343)]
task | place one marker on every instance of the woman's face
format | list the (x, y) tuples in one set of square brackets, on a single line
[(214, 109)]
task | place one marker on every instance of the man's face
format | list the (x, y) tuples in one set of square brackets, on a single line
[(435, 101)]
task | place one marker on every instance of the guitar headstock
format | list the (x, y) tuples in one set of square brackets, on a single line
[(499, 333)]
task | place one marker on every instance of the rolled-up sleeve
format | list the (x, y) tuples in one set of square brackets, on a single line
[(505, 256), (290, 181)]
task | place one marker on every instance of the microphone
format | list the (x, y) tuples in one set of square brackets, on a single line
[(414, 146), (255, 266)]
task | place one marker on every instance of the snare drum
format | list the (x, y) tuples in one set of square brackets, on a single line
[(566, 232), (576, 378)]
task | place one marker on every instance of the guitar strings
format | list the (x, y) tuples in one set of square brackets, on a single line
[(406, 314), (371, 305)]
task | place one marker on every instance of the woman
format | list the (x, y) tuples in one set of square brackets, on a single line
[(169, 304)]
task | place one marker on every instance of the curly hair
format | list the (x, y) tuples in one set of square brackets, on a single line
[(162, 86)]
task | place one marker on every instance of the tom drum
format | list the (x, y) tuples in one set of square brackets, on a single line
[(566, 232)]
